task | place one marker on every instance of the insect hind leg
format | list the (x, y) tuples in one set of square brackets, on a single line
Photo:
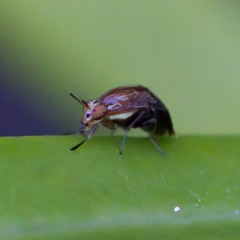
[(151, 126), (157, 147)]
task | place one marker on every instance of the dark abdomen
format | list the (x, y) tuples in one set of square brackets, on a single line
[(152, 121)]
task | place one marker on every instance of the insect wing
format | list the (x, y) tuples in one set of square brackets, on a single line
[(130, 99)]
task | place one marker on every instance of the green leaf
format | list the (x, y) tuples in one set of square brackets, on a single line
[(48, 192)]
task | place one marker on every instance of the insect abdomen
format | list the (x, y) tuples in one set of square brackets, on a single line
[(164, 123), (153, 121)]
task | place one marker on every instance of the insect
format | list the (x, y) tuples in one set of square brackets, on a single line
[(126, 107)]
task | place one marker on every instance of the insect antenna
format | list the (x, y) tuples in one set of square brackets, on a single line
[(78, 145), (81, 101)]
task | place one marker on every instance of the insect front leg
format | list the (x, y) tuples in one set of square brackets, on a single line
[(93, 131), (151, 126), (128, 128), (89, 136)]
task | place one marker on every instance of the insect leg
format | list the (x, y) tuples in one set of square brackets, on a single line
[(78, 145), (112, 132), (152, 124), (93, 131), (89, 136), (128, 128), (157, 147)]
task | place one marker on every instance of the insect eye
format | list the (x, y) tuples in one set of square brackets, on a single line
[(88, 115), (99, 112)]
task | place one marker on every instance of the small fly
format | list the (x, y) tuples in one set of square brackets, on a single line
[(126, 107)]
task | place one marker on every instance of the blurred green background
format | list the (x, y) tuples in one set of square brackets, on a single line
[(186, 52)]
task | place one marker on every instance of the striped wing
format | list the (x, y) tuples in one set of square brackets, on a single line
[(128, 99)]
